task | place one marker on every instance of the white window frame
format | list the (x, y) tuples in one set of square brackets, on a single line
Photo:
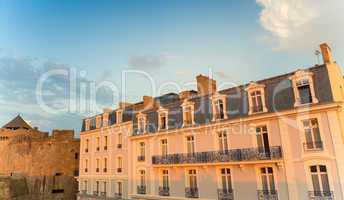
[(218, 133), (119, 116), (187, 177), (187, 144), (214, 99), (142, 117), (312, 135), (301, 75), (259, 177), (140, 148), (162, 146), (188, 105), (254, 87), (309, 163), (219, 176), (162, 175), (162, 111)]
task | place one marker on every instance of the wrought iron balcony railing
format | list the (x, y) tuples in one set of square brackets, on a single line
[(164, 191), (267, 195), (141, 158), (313, 146), (320, 195), (225, 194), (141, 189), (191, 192), (234, 155)]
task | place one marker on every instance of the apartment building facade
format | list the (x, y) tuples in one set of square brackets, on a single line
[(277, 138), (103, 156)]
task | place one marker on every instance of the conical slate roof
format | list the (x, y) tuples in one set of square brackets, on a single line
[(16, 123)]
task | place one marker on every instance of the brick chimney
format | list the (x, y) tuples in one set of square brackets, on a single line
[(205, 85), (326, 53), (147, 101)]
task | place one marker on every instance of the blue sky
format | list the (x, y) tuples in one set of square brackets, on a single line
[(172, 41)]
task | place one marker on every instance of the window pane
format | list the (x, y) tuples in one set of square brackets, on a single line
[(315, 181), (305, 94), (325, 183)]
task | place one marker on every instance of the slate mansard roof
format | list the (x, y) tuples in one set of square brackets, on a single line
[(279, 96)]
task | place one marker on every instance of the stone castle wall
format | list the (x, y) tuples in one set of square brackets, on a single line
[(48, 164)]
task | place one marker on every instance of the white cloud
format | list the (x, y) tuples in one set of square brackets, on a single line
[(302, 24)]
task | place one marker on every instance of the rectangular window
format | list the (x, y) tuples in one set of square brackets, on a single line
[(165, 179), (87, 144), (120, 164), (105, 142), (104, 187), (267, 177), (97, 187), (142, 177), (192, 178), (119, 188), (226, 180), (163, 121), (304, 91), (120, 139), (223, 141), (98, 143), (141, 124), (97, 169), (85, 186), (263, 140), (312, 135), (112, 118), (321, 186), (190, 144), (164, 147), (187, 116), (257, 103), (119, 116), (219, 111), (105, 165), (142, 151), (86, 166), (93, 124)]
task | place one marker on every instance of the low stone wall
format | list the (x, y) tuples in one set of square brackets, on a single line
[(36, 188), (13, 188)]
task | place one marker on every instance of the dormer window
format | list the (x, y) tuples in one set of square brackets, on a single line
[(163, 118), (188, 113), (256, 98), (119, 116), (302, 82), (304, 91), (219, 107), (141, 123)]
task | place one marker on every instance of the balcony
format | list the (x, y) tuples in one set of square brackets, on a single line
[(140, 158), (225, 194), (119, 146), (141, 189), (313, 146), (320, 195), (191, 192), (267, 195), (164, 191), (234, 155)]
